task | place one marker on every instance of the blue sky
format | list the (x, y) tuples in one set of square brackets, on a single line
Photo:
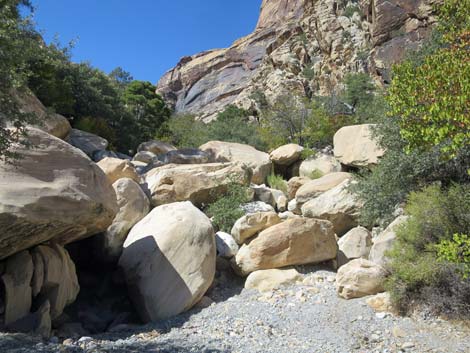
[(145, 37)]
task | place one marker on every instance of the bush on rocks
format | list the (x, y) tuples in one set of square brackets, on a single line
[(419, 275)]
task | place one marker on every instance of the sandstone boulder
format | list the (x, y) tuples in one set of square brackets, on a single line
[(133, 206), (322, 164), (355, 146), (381, 302), (295, 184), (169, 260), (227, 247), (116, 169), (55, 275), (257, 161), (199, 183), (251, 224), (360, 278), (315, 188), (87, 142), (16, 281), (52, 123), (185, 156), (145, 157), (53, 192), (38, 323), (286, 155), (296, 241), (337, 205), (266, 280), (256, 206), (384, 242), (156, 147), (356, 243)]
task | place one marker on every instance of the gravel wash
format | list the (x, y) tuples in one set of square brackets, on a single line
[(304, 318)]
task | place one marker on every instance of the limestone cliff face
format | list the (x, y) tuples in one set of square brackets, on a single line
[(303, 46)]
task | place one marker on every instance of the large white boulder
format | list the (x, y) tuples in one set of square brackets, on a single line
[(360, 278), (384, 241), (199, 183), (133, 206), (322, 164), (338, 205), (116, 168), (251, 224), (286, 154), (296, 241), (354, 146), (53, 192), (315, 188), (356, 243), (169, 260), (257, 161)]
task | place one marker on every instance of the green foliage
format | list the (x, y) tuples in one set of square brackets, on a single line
[(359, 89), (232, 125), (351, 10), (308, 72), (307, 153), (97, 126), (456, 251), (399, 173), (18, 43), (416, 274), (226, 210), (431, 99), (147, 108), (184, 131), (277, 182)]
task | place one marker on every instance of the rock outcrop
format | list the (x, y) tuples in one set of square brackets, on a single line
[(169, 260), (53, 193), (299, 46)]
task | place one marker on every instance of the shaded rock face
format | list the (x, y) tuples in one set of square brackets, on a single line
[(292, 35), (169, 260), (54, 193)]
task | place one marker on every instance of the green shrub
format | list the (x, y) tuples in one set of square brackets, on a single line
[(184, 131), (399, 173), (226, 209), (233, 125), (456, 251), (351, 10), (277, 182), (417, 276)]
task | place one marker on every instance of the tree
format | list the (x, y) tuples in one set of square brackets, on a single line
[(359, 89), (121, 77), (431, 100), (17, 40), (147, 108)]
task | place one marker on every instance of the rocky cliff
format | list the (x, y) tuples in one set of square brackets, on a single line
[(304, 46)]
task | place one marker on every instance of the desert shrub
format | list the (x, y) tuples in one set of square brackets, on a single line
[(399, 173), (277, 182), (184, 131), (226, 210), (233, 125), (351, 10), (456, 251), (419, 274)]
